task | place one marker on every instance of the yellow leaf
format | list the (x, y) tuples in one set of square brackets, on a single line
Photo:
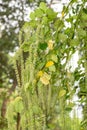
[(40, 73), (47, 76), (50, 44), (49, 63), (45, 79)]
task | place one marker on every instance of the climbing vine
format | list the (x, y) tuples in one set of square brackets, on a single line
[(46, 82)]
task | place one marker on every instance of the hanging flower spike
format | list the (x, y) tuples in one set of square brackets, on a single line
[(49, 63), (50, 44)]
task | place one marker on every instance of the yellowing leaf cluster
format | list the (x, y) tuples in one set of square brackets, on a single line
[(45, 78), (49, 63), (40, 73)]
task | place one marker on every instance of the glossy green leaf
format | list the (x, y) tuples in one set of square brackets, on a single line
[(33, 23), (52, 68), (51, 14), (62, 37), (54, 58), (44, 20), (39, 13), (43, 6), (74, 42), (43, 46), (32, 15)]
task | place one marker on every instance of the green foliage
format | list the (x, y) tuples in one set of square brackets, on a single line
[(45, 80), (62, 93)]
